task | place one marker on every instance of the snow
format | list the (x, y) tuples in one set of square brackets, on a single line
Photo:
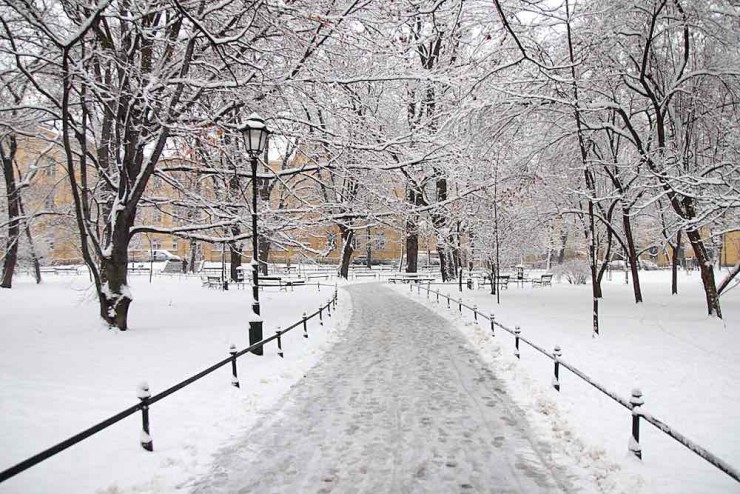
[(62, 370), (686, 363), (403, 404)]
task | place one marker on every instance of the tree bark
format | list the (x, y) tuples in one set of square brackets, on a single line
[(235, 256), (347, 235), (707, 272), (414, 198), (12, 193), (632, 254), (675, 263), (113, 293)]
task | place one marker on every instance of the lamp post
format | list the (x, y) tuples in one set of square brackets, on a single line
[(255, 134)]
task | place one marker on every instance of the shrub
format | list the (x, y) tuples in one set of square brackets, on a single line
[(575, 271)]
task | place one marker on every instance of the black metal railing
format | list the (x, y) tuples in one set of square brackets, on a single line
[(146, 400), (634, 404)]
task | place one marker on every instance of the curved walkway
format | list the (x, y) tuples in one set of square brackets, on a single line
[(400, 404)]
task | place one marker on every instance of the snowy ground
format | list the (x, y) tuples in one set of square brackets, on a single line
[(687, 365), (62, 371), (402, 404)]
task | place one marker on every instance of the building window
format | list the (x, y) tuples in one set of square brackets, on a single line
[(51, 168), (50, 204), (380, 241), (157, 216), (331, 240), (155, 244), (174, 246)]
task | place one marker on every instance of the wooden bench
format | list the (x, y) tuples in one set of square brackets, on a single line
[(365, 275), (317, 276), (410, 277), (544, 280), (212, 281), (501, 281)]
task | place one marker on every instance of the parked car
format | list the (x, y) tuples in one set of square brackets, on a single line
[(647, 265), (362, 261), (163, 255)]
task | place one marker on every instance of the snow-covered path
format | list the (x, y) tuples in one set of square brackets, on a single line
[(400, 404)]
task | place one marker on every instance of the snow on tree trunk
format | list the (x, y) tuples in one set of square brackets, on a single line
[(347, 235), (114, 295), (707, 272)]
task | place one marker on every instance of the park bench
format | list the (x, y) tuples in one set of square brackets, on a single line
[(501, 281), (365, 275), (212, 281), (317, 276), (543, 280), (410, 277)]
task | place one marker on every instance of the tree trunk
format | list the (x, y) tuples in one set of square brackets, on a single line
[(414, 198), (412, 247), (264, 245), (368, 248), (563, 245), (235, 257), (675, 263), (192, 255), (347, 235), (265, 190), (11, 249), (31, 246), (114, 295), (707, 273), (632, 254)]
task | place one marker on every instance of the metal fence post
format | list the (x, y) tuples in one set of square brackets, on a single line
[(493, 325), (418, 288), (556, 354), (305, 326), (328, 309), (459, 305), (143, 394), (279, 343), (321, 316), (437, 296), (411, 287), (318, 285), (517, 332), (475, 313), (234, 377), (448, 300), (636, 401)]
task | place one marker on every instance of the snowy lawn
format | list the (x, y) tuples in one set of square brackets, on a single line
[(686, 364), (62, 370)]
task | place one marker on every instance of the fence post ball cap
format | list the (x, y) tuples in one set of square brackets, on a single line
[(142, 391), (232, 348), (493, 316), (517, 329), (636, 398)]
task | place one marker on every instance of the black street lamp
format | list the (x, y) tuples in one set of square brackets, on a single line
[(255, 134)]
